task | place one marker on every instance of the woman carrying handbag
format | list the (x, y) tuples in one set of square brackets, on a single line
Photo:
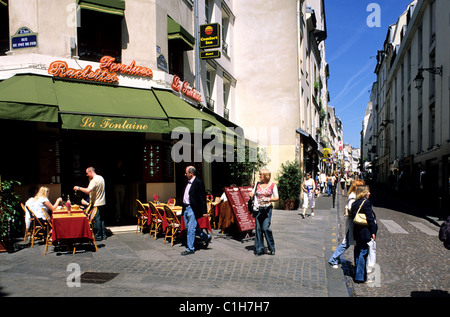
[(266, 193), (363, 232)]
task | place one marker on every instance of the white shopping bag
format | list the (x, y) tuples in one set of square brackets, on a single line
[(372, 256)]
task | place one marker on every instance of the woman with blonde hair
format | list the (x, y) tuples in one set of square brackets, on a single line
[(348, 239), (266, 193), (363, 233), (41, 201)]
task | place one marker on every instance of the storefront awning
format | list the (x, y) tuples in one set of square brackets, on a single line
[(179, 112), (108, 108), (99, 107), (176, 32), (116, 7), (28, 98), (309, 139)]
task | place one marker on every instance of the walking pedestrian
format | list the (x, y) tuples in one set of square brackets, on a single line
[(96, 192), (309, 188), (342, 180), (323, 182), (363, 234), (266, 193), (194, 207), (329, 184), (348, 239)]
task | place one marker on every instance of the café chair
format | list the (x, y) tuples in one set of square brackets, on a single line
[(156, 222), (91, 219), (48, 237), (142, 216), (39, 228), (29, 229), (173, 224), (88, 210)]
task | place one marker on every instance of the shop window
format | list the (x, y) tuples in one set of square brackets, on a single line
[(4, 27), (100, 34)]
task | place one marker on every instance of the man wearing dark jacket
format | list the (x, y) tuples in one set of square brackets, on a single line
[(194, 207)]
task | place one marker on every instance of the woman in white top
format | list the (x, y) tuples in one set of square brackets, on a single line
[(348, 239), (309, 188), (41, 201)]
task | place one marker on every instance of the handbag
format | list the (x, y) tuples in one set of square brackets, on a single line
[(360, 219), (251, 204)]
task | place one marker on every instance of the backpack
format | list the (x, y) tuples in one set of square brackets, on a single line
[(444, 233)]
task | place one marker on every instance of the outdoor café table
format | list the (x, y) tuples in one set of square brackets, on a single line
[(203, 222), (70, 229)]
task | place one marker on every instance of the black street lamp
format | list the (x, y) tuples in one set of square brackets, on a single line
[(418, 81)]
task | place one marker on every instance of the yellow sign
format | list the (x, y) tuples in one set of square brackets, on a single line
[(326, 152)]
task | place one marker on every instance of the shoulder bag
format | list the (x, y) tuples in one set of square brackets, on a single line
[(360, 219), (251, 203)]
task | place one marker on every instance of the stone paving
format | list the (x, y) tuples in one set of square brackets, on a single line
[(148, 267)]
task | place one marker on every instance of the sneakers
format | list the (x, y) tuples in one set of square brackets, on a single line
[(207, 241), (334, 266)]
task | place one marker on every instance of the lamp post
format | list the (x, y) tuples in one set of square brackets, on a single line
[(418, 81)]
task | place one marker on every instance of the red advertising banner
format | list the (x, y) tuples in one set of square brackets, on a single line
[(238, 198)]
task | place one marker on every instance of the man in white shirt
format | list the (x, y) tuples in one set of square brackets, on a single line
[(96, 192)]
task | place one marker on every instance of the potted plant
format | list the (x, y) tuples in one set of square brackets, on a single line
[(289, 183), (9, 214)]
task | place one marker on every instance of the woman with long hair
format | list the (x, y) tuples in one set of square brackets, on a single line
[(41, 201), (348, 239), (363, 233)]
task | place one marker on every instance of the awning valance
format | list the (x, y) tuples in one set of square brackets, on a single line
[(116, 7), (176, 32)]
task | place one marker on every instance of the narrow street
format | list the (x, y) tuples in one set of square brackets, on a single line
[(412, 262)]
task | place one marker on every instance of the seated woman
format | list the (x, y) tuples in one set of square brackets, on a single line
[(41, 201)]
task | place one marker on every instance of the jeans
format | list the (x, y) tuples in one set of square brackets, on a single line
[(262, 221), (99, 224), (192, 229), (360, 254), (329, 189), (339, 251)]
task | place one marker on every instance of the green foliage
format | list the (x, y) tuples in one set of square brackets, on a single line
[(290, 181), (244, 167), (9, 209)]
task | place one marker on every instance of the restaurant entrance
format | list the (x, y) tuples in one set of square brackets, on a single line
[(116, 156)]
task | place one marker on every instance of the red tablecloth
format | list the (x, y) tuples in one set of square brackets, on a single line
[(74, 227)]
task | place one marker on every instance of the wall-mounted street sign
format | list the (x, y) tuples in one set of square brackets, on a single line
[(209, 35), (24, 38), (210, 54)]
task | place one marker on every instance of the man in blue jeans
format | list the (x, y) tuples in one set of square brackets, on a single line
[(194, 207)]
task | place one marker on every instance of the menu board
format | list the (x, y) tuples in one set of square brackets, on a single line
[(238, 198)]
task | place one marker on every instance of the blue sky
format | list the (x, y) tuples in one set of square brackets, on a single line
[(351, 47)]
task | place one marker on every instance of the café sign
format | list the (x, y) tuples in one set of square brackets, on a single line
[(185, 89)]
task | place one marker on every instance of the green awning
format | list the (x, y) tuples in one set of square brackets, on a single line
[(176, 32), (108, 108), (105, 6), (179, 112), (99, 107), (28, 98)]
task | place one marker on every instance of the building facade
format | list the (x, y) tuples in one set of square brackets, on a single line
[(411, 108), (95, 82), (281, 74)]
